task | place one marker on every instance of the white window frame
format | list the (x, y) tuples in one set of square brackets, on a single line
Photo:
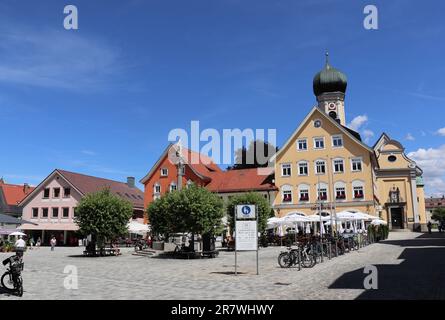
[(315, 163), (333, 165), (337, 185), (356, 184), (287, 188), (154, 188), (288, 165), (341, 138), (162, 172), (173, 184), (304, 187), (298, 144), (307, 168), (315, 143), (322, 186), (361, 164)]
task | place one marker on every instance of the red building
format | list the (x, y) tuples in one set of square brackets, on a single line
[(177, 167), (10, 196)]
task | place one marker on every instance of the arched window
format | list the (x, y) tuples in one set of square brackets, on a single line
[(286, 193), (189, 183), (340, 190), (303, 192), (322, 190), (320, 166), (358, 190)]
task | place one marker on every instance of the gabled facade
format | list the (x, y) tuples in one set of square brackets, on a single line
[(51, 205), (323, 161), (399, 185), (179, 167), (325, 164)]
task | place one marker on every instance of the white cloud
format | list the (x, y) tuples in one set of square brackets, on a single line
[(55, 59), (409, 137), (368, 134), (358, 122), (433, 166), (441, 131), (89, 152)]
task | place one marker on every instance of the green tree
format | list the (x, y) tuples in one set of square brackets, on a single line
[(438, 214), (191, 210), (264, 210), (103, 216), (255, 156)]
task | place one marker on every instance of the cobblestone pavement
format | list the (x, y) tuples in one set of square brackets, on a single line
[(134, 277)]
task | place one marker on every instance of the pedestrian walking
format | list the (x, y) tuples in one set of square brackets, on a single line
[(53, 243), (20, 246), (429, 226), (38, 243)]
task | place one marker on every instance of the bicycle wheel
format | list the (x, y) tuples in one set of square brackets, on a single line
[(7, 281), (308, 260), (284, 260)]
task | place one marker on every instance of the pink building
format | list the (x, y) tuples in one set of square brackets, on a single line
[(51, 205)]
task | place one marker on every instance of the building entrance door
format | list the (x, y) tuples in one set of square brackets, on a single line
[(397, 218)]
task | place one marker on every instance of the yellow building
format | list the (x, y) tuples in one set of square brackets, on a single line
[(325, 165)]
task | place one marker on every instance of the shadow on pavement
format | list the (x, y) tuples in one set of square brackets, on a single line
[(420, 276), (6, 292)]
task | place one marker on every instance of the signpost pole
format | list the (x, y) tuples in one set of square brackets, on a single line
[(257, 244), (234, 232)]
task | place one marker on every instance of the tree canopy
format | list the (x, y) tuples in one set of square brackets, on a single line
[(264, 209), (103, 215), (438, 214), (256, 155), (191, 210)]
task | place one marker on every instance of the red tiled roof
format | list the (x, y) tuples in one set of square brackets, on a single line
[(88, 184), (240, 180), (205, 167), (14, 193)]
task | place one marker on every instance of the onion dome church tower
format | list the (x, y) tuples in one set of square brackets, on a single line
[(330, 88)]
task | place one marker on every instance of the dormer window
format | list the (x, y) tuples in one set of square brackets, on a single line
[(164, 172)]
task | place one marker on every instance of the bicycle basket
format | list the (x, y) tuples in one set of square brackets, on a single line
[(6, 261)]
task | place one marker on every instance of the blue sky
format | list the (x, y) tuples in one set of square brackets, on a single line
[(102, 99)]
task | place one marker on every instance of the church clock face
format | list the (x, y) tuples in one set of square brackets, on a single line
[(332, 106)]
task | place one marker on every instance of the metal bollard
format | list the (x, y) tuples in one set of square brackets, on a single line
[(329, 250), (299, 258)]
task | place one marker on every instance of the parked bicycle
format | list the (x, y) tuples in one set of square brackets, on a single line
[(12, 279), (292, 256)]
